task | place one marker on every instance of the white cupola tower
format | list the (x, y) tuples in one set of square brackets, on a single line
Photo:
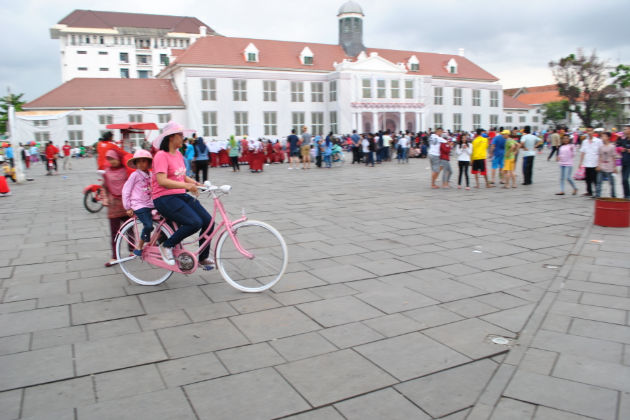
[(350, 17)]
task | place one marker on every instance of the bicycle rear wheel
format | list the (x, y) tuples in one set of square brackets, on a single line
[(136, 269), (92, 201), (268, 261)]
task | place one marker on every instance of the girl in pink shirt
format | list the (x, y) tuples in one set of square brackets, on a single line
[(137, 195), (565, 157)]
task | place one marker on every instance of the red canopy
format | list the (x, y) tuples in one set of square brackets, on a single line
[(133, 126)]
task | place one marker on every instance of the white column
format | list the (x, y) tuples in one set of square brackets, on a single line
[(424, 121), (360, 122), (417, 122), (374, 122), (401, 125)]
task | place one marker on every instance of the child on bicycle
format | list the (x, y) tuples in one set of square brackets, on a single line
[(136, 195), (113, 180)]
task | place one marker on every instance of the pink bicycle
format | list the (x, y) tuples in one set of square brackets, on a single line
[(251, 256)]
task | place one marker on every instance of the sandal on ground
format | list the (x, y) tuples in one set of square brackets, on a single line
[(561, 193), (207, 264), (435, 187)]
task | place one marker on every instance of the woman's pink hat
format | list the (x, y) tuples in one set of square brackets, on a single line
[(140, 154), (170, 128)]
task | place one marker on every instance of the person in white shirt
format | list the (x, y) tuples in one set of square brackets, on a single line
[(434, 155), (403, 147), (589, 157), (529, 143), (463, 151)]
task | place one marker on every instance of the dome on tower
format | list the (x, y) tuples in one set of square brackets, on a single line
[(350, 7)]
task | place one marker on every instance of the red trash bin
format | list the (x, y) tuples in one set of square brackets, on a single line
[(612, 212)]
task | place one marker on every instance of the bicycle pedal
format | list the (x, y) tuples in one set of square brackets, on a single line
[(207, 267)]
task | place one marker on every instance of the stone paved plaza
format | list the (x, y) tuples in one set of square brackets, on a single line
[(393, 295)]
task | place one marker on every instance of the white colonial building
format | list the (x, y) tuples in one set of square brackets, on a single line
[(126, 45), (265, 88)]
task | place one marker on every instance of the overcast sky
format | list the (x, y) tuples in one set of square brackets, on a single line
[(514, 40)]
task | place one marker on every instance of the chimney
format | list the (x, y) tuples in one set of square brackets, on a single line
[(202, 30), (461, 52)]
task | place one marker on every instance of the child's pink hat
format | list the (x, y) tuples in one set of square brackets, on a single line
[(140, 154)]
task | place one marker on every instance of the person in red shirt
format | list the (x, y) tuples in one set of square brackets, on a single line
[(66, 156), (103, 146), (445, 162), (51, 155)]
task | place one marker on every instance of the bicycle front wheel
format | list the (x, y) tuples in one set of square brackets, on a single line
[(92, 201), (136, 269), (255, 260)]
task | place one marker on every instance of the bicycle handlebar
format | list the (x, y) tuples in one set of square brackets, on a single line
[(225, 189)]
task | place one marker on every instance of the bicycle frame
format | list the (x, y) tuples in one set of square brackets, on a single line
[(151, 253)]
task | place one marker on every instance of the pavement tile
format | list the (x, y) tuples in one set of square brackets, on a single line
[(201, 337), (509, 409), (14, 344), (254, 356), (392, 325), (604, 289), (538, 361), (546, 413), (334, 376), (191, 369), (561, 394), (392, 299), (113, 328), (501, 300), (10, 404), (302, 346), (469, 337), (511, 319), (411, 355), (384, 404), (385, 267), (593, 372), (104, 310), (210, 311), (170, 300), (256, 388), (35, 290), (444, 290), (616, 302), (341, 273), (342, 310), (34, 320), (127, 382), (624, 405), (117, 352), (350, 335), (42, 399), (163, 320), (326, 413), (432, 316), (35, 367), (601, 330), (491, 281), (558, 323), (295, 297), (462, 384), (469, 308), (333, 291), (162, 405), (574, 344), (595, 313), (23, 305), (295, 281), (58, 337), (273, 323), (254, 304)]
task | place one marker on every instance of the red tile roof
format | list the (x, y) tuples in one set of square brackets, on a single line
[(537, 98), (96, 19), (227, 51), (509, 102), (110, 93)]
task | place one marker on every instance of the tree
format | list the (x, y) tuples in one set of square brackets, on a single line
[(555, 112), (584, 81), (621, 75), (5, 103)]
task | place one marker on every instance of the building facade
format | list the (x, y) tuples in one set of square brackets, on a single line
[(125, 45)]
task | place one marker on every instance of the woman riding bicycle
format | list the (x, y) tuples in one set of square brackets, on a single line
[(170, 184)]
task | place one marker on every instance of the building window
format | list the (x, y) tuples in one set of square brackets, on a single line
[(508, 118), (269, 91), (457, 122), (415, 66), (144, 74), (82, 68), (535, 118), (366, 85), (297, 121), (381, 89), (164, 59), (476, 121), (333, 91), (102, 41), (208, 89), (102, 53), (87, 39), (240, 123), (103, 69), (81, 52), (317, 92), (142, 59), (75, 137), (297, 92), (408, 89), (476, 97), (308, 61), (105, 119), (135, 117), (317, 122), (437, 120), (522, 118), (438, 96), (164, 118), (333, 122), (452, 69), (73, 119), (270, 119), (209, 120), (494, 120), (40, 123), (42, 136), (240, 90), (494, 98), (457, 96), (73, 40), (394, 86), (251, 57), (124, 73), (124, 57)]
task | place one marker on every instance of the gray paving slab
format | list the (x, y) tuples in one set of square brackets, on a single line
[(187, 370), (326, 413), (546, 413), (594, 372), (170, 300), (251, 357), (127, 382), (13, 323), (245, 396), (210, 311), (113, 328), (392, 325), (337, 311), (600, 330), (432, 316), (274, 323), (58, 337), (35, 367), (42, 399), (334, 376), (509, 409), (10, 404), (104, 310), (382, 404), (14, 344), (302, 346), (350, 335), (163, 320)]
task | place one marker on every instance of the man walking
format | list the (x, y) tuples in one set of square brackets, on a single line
[(624, 143), (478, 157), (293, 143), (555, 143), (356, 147), (305, 148), (589, 157), (434, 155), (67, 152), (529, 142), (498, 153)]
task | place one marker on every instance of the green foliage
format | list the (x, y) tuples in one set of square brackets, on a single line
[(555, 112), (5, 103), (622, 76)]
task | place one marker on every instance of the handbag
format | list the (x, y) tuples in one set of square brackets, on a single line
[(580, 174)]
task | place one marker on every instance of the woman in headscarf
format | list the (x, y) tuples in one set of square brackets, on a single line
[(234, 151), (201, 159), (114, 180)]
